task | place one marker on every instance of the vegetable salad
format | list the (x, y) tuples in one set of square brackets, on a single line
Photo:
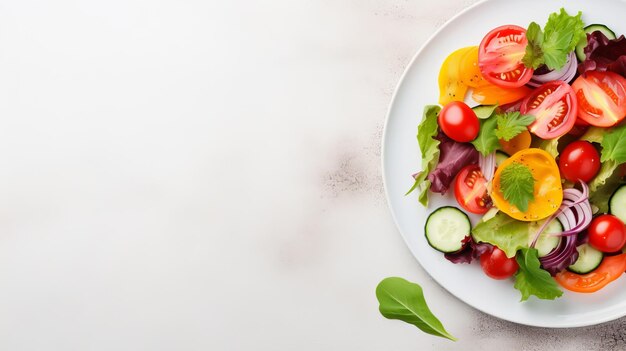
[(528, 132)]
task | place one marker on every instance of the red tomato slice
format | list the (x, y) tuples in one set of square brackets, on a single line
[(470, 190), (611, 268), (601, 98), (554, 106), (500, 57)]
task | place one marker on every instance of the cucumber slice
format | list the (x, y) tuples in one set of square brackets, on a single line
[(588, 259), (446, 227), (580, 48), (484, 111), (617, 203), (500, 157), (546, 242)]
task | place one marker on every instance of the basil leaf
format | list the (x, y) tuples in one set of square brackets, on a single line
[(403, 300), (532, 280)]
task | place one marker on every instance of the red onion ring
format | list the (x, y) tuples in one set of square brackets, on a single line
[(575, 215), (487, 165), (565, 74)]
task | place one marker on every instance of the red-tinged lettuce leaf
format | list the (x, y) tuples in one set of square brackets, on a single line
[(469, 251), (452, 158), (604, 54)]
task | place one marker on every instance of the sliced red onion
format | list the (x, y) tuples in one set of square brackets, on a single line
[(563, 256), (487, 165), (565, 74), (575, 215)]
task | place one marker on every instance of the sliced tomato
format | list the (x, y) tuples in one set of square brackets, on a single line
[(451, 88), (490, 94), (469, 70), (554, 106), (500, 57), (547, 191), (611, 268), (470, 190), (601, 98)]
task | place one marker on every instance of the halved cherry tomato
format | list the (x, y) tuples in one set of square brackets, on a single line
[(490, 94), (607, 233), (579, 161), (451, 88), (611, 268), (470, 190), (496, 265), (554, 106), (459, 122), (469, 70), (518, 143), (547, 191), (500, 57), (601, 98)]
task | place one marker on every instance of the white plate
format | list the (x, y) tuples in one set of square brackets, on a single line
[(401, 158)]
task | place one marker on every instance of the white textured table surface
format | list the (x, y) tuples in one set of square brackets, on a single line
[(205, 175)]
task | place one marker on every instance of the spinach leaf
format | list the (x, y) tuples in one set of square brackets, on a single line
[(403, 300)]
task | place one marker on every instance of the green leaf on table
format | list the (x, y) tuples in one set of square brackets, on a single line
[(429, 147), (403, 300), (530, 279)]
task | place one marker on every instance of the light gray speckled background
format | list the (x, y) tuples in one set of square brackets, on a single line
[(205, 175)]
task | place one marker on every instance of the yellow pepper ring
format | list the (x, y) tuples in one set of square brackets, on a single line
[(548, 192)]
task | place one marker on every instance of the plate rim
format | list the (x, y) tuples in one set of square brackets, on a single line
[(385, 131)]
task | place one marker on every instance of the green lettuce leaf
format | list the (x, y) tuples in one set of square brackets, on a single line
[(504, 232), (603, 185), (429, 147), (552, 46), (550, 146), (532, 280), (594, 135)]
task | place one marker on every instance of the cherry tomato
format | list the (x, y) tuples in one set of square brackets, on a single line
[(554, 106), (459, 122), (579, 161), (470, 190), (496, 265), (601, 98), (500, 57), (607, 233), (611, 268)]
